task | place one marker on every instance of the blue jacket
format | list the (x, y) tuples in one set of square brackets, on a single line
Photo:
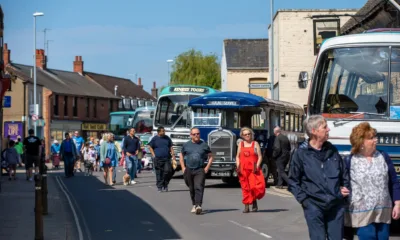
[(394, 185), (316, 176)]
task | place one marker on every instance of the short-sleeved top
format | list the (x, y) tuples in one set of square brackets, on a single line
[(78, 142), (161, 146), (32, 144), (196, 154)]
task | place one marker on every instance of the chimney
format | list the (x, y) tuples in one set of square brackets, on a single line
[(6, 55), (78, 65), (154, 91), (140, 83), (40, 59)]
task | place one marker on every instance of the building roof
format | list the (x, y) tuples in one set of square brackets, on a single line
[(62, 82), (368, 10), (245, 54), (126, 87)]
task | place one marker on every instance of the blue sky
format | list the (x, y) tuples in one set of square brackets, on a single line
[(123, 37)]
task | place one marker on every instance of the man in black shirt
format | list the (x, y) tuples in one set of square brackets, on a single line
[(281, 154), (32, 145), (196, 152), (162, 151), (131, 149)]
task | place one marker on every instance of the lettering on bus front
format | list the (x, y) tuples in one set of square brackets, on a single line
[(388, 139), (189, 89)]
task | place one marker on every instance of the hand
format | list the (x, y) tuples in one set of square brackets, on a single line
[(128, 154), (206, 169), (344, 191), (183, 169), (396, 212)]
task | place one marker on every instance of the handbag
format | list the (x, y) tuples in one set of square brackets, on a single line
[(107, 161)]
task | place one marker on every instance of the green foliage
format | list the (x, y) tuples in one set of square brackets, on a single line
[(194, 68)]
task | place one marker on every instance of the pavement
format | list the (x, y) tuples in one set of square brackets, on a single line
[(100, 212), (17, 217)]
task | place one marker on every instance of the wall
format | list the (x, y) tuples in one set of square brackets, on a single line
[(294, 50), (239, 80), (16, 111)]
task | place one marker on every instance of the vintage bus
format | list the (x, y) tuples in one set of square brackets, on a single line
[(357, 79), (173, 114), (120, 122), (220, 116)]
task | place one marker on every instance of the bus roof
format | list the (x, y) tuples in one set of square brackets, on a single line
[(150, 108), (237, 100), (186, 89), (370, 38), (122, 112)]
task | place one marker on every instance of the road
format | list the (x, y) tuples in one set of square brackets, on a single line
[(140, 212)]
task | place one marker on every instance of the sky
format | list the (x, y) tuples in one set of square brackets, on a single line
[(127, 37)]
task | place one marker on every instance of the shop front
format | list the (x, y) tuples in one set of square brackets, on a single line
[(94, 130), (59, 128)]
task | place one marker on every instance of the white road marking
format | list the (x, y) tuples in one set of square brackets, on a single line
[(72, 207), (279, 194), (251, 229)]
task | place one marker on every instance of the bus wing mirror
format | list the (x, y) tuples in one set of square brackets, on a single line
[(303, 79)]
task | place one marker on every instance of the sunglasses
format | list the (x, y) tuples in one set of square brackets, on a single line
[(247, 134), (195, 134)]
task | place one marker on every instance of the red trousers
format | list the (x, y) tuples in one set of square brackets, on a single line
[(253, 185)]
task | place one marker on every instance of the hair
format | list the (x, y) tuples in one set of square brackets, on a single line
[(132, 128), (313, 122), (66, 134), (31, 131), (105, 136), (358, 135), (159, 129), (96, 140), (19, 139), (11, 143), (277, 129), (193, 128), (247, 129)]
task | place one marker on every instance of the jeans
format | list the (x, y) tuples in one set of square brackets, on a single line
[(68, 164), (324, 224), (374, 231), (195, 180), (163, 169), (131, 166), (114, 176)]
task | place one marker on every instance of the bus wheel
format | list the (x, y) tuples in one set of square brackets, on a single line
[(265, 172)]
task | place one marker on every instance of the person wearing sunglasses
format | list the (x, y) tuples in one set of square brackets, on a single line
[(193, 158)]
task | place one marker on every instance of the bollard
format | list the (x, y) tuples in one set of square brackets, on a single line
[(38, 208), (44, 189)]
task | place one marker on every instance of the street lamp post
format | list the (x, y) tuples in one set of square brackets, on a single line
[(169, 61), (36, 14), (271, 42)]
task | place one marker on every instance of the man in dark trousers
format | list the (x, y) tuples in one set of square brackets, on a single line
[(281, 155), (271, 162), (131, 149), (193, 158), (162, 151), (33, 150)]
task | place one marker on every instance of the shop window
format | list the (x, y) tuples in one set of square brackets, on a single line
[(91, 134), (65, 106), (75, 106), (324, 29), (57, 135), (55, 105)]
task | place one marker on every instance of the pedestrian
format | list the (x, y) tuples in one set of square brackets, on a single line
[(79, 143), (32, 145), (271, 162), (97, 149), (248, 163), (109, 156), (193, 157), (319, 181), (55, 154), (281, 155), (375, 190), (20, 150), (12, 158), (161, 150), (68, 154), (131, 149)]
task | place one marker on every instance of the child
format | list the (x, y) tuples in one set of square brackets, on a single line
[(12, 158), (92, 154)]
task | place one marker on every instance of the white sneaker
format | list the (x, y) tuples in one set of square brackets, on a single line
[(193, 209), (198, 210), (133, 182)]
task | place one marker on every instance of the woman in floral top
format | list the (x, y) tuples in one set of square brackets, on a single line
[(375, 190)]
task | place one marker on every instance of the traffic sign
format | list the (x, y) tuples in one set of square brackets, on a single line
[(7, 101), (33, 109), (35, 117)]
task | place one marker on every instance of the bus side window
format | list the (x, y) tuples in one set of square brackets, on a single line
[(257, 122), (282, 121), (296, 120), (287, 121)]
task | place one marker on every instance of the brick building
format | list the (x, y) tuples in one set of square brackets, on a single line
[(68, 100)]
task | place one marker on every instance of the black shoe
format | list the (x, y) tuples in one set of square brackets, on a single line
[(159, 190), (255, 206), (246, 208)]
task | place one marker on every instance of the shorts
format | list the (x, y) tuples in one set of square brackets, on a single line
[(31, 160)]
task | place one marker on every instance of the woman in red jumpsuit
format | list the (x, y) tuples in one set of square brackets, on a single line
[(248, 162)]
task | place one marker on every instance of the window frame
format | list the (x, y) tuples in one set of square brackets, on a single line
[(316, 49), (56, 111)]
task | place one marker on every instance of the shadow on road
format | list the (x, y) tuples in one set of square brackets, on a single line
[(272, 210), (223, 185), (208, 211), (111, 213)]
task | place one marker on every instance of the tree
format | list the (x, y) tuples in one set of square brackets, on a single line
[(194, 68)]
